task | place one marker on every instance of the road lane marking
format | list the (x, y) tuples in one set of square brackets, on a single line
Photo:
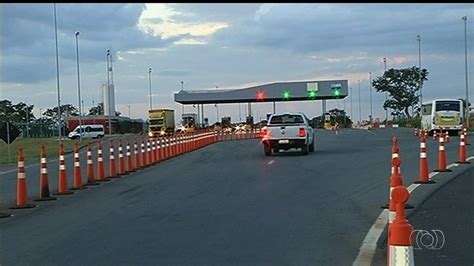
[(271, 162), (370, 131), (369, 245)]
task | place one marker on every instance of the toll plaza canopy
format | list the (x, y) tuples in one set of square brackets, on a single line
[(272, 92)]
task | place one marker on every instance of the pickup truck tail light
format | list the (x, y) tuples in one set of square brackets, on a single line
[(264, 132), (302, 132)]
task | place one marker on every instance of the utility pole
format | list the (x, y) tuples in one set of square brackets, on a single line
[(350, 91), (109, 92), (418, 38), (386, 93), (370, 90), (360, 113), (57, 75), (465, 66)]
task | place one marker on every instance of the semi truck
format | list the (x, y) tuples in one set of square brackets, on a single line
[(161, 122)]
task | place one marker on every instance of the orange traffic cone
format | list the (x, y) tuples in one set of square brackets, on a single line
[(395, 178), (142, 155), (137, 156), (462, 151), (112, 172), (130, 168), (90, 168), (149, 161), (100, 164), (434, 135), (121, 166), (21, 192), (400, 250), (424, 173), (464, 131), (153, 151), (44, 194), (442, 155), (447, 136), (62, 178), (158, 151), (77, 181)]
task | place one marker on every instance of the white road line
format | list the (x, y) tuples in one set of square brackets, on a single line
[(369, 245), (370, 131), (271, 162)]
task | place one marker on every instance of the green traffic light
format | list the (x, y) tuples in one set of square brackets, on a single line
[(337, 93), (286, 95), (312, 94)]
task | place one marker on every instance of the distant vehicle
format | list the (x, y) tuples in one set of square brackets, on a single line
[(188, 122), (226, 124), (87, 131), (448, 114), (286, 131), (161, 122)]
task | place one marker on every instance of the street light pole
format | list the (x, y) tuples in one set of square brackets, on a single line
[(57, 74), (418, 38), (217, 108), (386, 93), (465, 66), (350, 91), (149, 83), (108, 92), (370, 90), (360, 113), (78, 85), (128, 105)]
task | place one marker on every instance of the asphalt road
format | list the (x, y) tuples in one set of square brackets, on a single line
[(448, 211), (224, 204)]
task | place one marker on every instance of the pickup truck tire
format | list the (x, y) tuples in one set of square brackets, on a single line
[(267, 150), (311, 146), (305, 149)]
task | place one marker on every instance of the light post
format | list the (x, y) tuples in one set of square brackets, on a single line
[(27, 122), (78, 85), (344, 107), (350, 91), (370, 90), (360, 113), (217, 108), (149, 83), (418, 38), (57, 74), (182, 105), (108, 92), (128, 105), (465, 66), (386, 93), (41, 120)]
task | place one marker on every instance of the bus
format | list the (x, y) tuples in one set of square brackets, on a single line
[(446, 114)]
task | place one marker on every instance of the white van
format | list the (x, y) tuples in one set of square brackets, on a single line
[(88, 131)]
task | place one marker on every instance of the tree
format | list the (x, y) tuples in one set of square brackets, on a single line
[(403, 86), (16, 113), (66, 110), (97, 110), (336, 115)]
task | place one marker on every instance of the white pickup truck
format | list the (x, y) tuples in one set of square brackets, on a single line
[(286, 131)]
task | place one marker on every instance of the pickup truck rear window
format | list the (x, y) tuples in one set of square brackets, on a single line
[(286, 119)]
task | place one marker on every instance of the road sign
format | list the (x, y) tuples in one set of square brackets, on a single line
[(9, 132)]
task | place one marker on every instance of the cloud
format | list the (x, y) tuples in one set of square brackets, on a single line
[(332, 28), (29, 39)]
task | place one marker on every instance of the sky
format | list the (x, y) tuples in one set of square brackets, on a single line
[(229, 45)]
